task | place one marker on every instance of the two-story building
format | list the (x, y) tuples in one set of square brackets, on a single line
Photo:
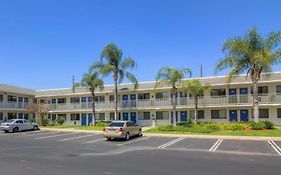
[(147, 105)]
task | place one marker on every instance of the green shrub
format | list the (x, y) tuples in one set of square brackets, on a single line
[(236, 126), (257, 126), (181, 123), (60, 120), (268, 124), (32, 120), (189, 123), (45, 121), (213, 127)]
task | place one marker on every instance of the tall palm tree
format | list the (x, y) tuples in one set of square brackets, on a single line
[(92, 81), (171, 77), (196, 89), (253, 54), (112, 61)]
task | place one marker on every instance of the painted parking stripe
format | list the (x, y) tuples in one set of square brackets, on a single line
[(79, 137), (134, 141), (36, 133), (275, 147), (216, 145), (52, 136), (93, 141), (170, 143)]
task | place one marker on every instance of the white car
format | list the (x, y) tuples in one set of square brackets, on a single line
[(16, 125)]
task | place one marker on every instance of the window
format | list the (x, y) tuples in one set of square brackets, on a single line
[(12, 98), (25, 100), (12, 116), (19, 121), (99, 99), (1, 97), (101, 116), (183, 94), (111, 98), (111, 116), (218, 92), (278, 88), (61, 100), (54, 101), (218, 114), (163, 95), (261, 90), (74, 116), (264, 113), (163, 115), (144, 96), (1, 116), (117, 124), (144, 116), (75, 100), (200, 114), (43, 101), (278, 112)]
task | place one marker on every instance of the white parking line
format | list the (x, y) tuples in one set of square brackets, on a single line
[(133, 141), (216, 145), (58, 135), (170, 143), (93, 141), (79, 137), (36, 133), (275, 147)]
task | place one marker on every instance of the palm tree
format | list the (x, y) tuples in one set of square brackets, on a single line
[(112, 61), (171, 77), (196, 89), (253, 54), (92, 81)]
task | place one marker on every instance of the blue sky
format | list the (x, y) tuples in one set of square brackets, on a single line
[(44, 43)]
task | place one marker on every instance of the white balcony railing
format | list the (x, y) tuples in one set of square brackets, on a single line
[(10, 105), (206, 101)]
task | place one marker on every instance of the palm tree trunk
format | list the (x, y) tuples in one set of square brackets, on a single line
[(174, 103), (115, 95), (255, 100), (196, 109), (93, 109)]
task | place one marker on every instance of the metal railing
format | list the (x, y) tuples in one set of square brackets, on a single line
[(205, 101), (10, 105)]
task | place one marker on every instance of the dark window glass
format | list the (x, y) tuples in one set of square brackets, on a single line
[(116, 124), (144, 116), (74, 116), (278, 89), (61, 100), (264, 113), (12, 98), (143, 96), (218, 114), (75, 99), (279, 113), (218, 92), (1, 97), (162, 115), (261, 90), (200, 114)]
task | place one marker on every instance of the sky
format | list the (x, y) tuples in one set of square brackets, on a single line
[(44, 43)]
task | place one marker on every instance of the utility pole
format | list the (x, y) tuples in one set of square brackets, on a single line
[(73, 84), (201, 70)]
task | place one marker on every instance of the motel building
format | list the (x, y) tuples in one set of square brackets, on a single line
[(147, 105)]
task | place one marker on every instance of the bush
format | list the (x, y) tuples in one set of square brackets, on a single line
[(268, 124), (213, 127), (32, 120), (181, 123), (257, 126), (45, 121), (234, 126), (60, 120)]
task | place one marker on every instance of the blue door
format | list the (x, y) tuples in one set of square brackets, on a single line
[(244, 115), (176, 116), (84, 120), (54, 116), (183, 116), (125, 100), (134, 117), (233, 115), (125, 116), (133, 100), (232, 91), (90, 119)]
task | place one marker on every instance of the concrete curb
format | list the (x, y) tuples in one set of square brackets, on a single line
[(254, 138)]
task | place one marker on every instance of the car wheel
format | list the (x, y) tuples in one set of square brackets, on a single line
[(6, 131), (35, 128), (127, 136), (15, 129), (140, 133)]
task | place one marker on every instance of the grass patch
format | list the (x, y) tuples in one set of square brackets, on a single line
[(211, 128)]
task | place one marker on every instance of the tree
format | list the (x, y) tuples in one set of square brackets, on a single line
[(196, 89), (112, 61), (253, 54), (41, 109), (171, 77), (92, 81)]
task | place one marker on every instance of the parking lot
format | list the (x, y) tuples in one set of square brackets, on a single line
[(52, 152)]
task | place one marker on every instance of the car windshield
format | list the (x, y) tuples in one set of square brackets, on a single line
[(116, 124)]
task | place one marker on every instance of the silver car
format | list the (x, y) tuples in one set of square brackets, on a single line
[(16, 125)]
